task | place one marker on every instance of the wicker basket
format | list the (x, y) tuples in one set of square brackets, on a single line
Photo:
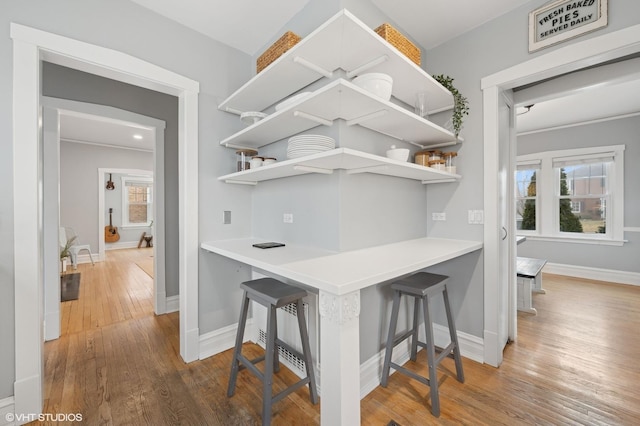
[(400, 42), (284, 43)]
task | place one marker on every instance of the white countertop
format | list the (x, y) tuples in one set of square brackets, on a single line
[(344, 272)]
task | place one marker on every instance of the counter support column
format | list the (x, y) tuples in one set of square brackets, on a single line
[(340, 358)]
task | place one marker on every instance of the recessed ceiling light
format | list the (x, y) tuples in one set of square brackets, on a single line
[(137, 137)]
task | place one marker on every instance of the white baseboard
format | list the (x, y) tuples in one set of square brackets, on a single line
[(172, 304), (599, 274), (121, 245), (220, 340), (7, 410), (471, 347)]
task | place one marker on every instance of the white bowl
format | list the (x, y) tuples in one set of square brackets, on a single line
[(399, 154), (290, 101), (377, 83)]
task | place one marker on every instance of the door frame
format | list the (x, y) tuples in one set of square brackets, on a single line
[(30, 47), (565, 59)]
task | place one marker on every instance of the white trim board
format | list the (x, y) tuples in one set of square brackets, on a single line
[(7, 410), (30, 47), (222, 339), (172, 304), (598, 274)]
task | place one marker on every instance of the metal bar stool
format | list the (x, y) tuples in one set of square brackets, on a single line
[(273, 294), (422, 287)]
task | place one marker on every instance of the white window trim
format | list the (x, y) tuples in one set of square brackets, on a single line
[(547, 227), (125, 202)]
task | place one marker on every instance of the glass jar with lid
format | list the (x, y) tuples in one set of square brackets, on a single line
[(450, 161), (437, 164), (243, 158)]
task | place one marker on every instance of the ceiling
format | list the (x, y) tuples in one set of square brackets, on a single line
[(248, 25), (90, 129)]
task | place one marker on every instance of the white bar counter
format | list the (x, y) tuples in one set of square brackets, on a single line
[(338, 277)]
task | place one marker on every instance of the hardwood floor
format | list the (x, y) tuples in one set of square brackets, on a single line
[(573, 363)]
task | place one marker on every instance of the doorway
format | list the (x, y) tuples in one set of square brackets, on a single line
[(563, 60), (85, 126), (30, 48)]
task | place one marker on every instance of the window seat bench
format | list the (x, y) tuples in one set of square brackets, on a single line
[(529, 273)]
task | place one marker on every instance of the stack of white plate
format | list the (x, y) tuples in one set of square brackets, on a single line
[(302, 145)]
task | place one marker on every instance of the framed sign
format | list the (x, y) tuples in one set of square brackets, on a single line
[(563, 19)]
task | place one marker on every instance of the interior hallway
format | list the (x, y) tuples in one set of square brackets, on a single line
[(574, 363)]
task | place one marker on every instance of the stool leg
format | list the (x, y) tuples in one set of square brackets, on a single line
[(390, 338), (306, 351), (431, 358), (276, 351), (454, 337), (235, 363), (414, 338), (268, 367)]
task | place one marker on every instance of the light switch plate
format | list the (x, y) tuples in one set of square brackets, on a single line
[(287, 218), (226, 217), (438, 216)]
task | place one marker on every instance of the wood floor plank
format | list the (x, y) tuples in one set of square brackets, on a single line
[(575, 363)]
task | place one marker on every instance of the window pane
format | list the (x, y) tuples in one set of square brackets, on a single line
[(583, 215), (526, 215), (584, 179), (525, 183), (137, 213)]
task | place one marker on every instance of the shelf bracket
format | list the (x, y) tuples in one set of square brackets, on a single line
[(370, 169), (367, 117), (230, 145), (426, 182), (312, 117), (233, 111), (312, 66), (370, 64), (310, 169), (240, 182)]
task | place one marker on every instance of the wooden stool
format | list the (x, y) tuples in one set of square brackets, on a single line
[(273, 294), (422, 287)]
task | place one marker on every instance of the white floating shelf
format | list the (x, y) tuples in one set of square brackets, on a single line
[(342, 99), (343, 42), (341, 159)]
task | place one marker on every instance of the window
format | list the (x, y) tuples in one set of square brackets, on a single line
[(572, 195), (137, 201), (526, 196)]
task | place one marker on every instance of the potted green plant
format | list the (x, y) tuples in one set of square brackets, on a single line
[(460, 106), (65, 253)]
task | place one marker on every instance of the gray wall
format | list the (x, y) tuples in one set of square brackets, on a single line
[(79, 164), (615, 132), (124, 26)]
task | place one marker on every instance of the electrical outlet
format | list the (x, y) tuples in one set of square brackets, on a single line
[(226, 217), (287, 218), (438, 216), (476, 217)]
